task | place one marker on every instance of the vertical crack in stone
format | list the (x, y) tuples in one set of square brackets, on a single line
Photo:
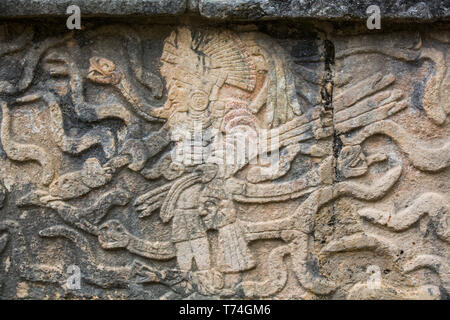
[(327, 96)]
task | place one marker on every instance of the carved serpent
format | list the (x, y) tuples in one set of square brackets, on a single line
[(104, 71)]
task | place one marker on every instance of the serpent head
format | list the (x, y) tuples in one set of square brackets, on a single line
[(352, 162), (112, 234), (102, 70)]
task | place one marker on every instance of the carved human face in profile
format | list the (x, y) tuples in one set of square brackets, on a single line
[(175, 106), (185, 95), (177, 96), (177, 92)]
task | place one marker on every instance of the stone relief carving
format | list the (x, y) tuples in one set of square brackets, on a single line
[(102, 167)]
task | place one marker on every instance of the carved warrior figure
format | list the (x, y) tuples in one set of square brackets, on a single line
[(196, 69), (213, 84)]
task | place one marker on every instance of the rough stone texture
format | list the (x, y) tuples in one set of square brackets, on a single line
[(33, 8), (342, 191), (340, 9), (234, 9)]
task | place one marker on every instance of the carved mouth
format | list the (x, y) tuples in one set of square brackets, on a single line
[(112, 242)]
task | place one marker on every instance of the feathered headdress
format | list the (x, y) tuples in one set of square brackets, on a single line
[(216, 57)]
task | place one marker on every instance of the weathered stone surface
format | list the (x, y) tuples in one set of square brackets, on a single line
[(33, 8), (269, 160), (340, 9), (234, 9)]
